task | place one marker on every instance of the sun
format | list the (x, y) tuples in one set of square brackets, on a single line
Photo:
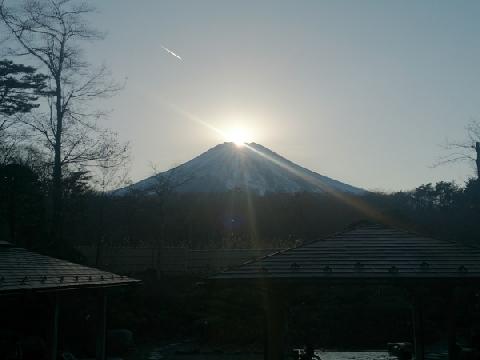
[(239, 136)]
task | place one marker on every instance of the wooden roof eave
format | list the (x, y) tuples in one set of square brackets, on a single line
[(69, 288)]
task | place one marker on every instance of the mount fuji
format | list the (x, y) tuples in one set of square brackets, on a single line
[(250, 167)]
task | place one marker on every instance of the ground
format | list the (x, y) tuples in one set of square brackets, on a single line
[(179, 351)]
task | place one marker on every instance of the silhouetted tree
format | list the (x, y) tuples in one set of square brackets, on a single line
[(50, 32), (21, 203), (20, 88), (468, 150)]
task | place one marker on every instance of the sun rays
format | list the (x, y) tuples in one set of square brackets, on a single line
[(241, 135)]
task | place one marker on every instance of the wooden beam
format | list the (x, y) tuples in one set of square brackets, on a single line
[(275, 326), (101, 324), (418, 335), (54, 327), (451, 324)]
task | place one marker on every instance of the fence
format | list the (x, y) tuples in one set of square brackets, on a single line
[(169, 261)]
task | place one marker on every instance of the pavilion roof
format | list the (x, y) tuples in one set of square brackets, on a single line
[(367, 251), (22, 270)]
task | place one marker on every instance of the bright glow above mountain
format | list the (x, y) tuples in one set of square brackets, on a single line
[(239, 136)]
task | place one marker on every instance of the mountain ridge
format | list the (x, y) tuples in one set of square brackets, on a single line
[(251, 167)]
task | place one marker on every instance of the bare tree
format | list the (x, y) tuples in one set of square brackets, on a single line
[(111, 178), (162, 188), (468, 150), (51, 32)]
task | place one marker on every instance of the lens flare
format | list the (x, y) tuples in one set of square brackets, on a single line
[(239, 136)]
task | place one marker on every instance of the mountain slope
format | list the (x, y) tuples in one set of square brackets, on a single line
[(250, 167)]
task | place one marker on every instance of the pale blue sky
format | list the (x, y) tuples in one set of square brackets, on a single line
[(361, 91)]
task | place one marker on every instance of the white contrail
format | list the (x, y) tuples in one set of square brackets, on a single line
[(171, 52)]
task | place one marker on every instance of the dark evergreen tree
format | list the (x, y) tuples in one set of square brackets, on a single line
[(21, 205), (20, 87)]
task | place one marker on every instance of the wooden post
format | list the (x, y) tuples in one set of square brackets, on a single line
[(54, 328), (275, 327), (452, 336), (101, 324), (418, 336)]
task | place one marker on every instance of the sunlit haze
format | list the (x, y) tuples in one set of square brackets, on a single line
[(239, 136), (365, 92)]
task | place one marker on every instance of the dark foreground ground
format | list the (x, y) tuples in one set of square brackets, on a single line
[(184, 351)]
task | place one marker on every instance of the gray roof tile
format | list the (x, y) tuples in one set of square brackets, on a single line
[(23, 270), (366, 252)]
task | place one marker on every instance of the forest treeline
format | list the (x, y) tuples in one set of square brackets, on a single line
[(235, 219)]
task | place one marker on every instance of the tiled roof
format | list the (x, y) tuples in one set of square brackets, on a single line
[(23, 270), (368, 251)]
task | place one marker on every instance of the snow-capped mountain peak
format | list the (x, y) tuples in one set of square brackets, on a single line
[(251, 167)]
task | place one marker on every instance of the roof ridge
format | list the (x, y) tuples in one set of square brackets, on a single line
[(347, 229), (450, 241), (378, 252)]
